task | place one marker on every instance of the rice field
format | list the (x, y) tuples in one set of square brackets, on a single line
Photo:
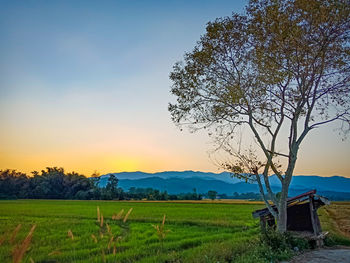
[(108, 231), (142, 231)]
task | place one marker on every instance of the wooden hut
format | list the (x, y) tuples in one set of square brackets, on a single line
[(301, 215)]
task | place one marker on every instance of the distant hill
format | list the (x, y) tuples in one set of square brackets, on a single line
[(224, 176), (175, 182), (333, 183), (179, 185)]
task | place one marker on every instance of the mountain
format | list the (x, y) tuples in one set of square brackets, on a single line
[(224, 176), (175, 182), (334, 183), (178, 185)]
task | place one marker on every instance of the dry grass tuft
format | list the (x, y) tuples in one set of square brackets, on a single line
[(108, 229), (119, 215), (110, 242), (105, 234), (98, 214), (163, 222), (70, 234), (127, 215), (21, 249), (115, 244), (55, 252), (14, 233), (101, 223), (94, 238), (161, 231)]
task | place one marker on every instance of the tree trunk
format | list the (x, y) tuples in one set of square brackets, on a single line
[(282, 203), (282, 208), (282, 216)]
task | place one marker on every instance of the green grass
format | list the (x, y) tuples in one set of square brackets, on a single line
[(199, 232), (220, 231)]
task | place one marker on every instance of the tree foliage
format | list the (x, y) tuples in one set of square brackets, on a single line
[(212, 194), (55, 183), (52, 183), (283, 65)]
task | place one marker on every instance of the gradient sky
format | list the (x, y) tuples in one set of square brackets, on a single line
[(84, 85)]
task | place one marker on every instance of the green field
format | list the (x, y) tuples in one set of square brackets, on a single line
[(198, 232)]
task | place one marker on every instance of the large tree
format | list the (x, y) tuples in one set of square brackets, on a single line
[(281, 69)]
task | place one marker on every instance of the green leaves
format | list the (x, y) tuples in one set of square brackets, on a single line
[(282, 60), (284, 65)]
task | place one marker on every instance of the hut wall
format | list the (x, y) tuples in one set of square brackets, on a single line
[(299, 218)]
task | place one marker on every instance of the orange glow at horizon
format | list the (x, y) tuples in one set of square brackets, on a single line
[(89, 161), (87, 165), (117, 146)]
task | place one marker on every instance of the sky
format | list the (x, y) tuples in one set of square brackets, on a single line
[(85, 85)]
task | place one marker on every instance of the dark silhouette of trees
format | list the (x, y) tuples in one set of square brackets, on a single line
[(13, 184), (112, 187), (147, 193), (212, 194), (249, 196), (52, 183), (55, 183)]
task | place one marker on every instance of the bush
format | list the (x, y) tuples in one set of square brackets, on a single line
[(334, 240), (275, 246)]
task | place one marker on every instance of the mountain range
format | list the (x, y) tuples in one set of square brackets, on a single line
[(175, 182)]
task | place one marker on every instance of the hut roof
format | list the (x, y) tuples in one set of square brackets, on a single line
[(305, 197)]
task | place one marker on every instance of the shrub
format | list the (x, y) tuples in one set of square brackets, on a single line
[(276, 246), (334, 240)]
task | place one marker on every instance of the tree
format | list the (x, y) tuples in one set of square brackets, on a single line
[(212, 194), (12, 184), (52, 183), (112, 186), (281, 70)]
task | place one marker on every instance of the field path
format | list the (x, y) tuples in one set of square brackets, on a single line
[(324, 256)]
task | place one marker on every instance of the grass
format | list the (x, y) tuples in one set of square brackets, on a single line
[(335, 218), (76, 231), (107, 231)]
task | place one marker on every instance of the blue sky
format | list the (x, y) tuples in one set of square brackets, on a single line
[(84, 85)]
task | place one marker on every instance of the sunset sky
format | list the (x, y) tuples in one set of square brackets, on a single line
[(85, 85)]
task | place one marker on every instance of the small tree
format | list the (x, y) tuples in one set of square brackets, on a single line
[(283, 66), (112, 186), (212, 194)]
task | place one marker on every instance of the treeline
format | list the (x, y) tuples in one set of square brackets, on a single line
[(249, 196), (52, 183), (153, 194), (55, 183)]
